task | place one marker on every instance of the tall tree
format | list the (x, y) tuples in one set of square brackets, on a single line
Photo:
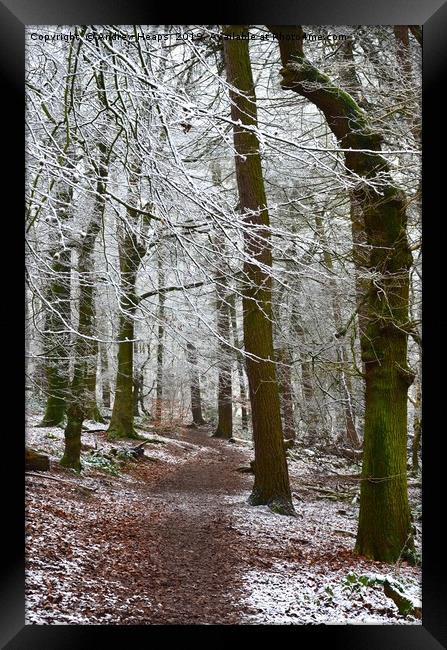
[(93, 412), (58, 305), (271, 484), (105, 381), (131, 252), (344, 377), (284, 371), (384, 530), (80, 396)]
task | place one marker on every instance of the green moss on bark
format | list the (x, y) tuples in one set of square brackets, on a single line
[(72, 452), (131, 253), (384, 531)]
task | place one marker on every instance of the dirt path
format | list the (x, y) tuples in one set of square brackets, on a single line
[(160, 550), (196, 576), (172, 541)]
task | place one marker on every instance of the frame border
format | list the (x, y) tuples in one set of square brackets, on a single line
[(432, 14)]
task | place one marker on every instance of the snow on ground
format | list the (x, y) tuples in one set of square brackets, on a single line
[(172, 539), (310, 573), (306, 572), (96, 449)]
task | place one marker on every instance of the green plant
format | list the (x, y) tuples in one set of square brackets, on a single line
[(102, 462)]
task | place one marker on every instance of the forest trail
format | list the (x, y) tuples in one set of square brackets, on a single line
[(169, 552), (196, 577), (170, 539)]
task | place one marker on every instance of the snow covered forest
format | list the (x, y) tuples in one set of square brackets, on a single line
[(223, 319)]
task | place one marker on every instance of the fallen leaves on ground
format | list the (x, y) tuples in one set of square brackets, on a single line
[(172, 540)]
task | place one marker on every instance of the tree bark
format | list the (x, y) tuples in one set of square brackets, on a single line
[(85, 352), (384, 530), (309, 412), (417, 427), (105, 382), (271, 484), (93, 412), (131, 252), (284, 372), (351, 436), (137, 390), (239, 363), (196, 399), (224, 427), (160, 345), (58, 313)]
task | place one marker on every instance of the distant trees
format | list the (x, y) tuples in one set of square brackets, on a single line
[(196, 397), (57, 299)]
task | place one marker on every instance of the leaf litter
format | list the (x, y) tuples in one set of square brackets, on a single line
[(170, 539)]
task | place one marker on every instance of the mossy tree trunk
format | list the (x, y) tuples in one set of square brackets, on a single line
[(93, 412), (121, 423), (58, 308), (271, 484), (384, 530), (85, 349), (131, 252)]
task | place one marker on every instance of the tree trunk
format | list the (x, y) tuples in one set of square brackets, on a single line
[(360, 256), (384, 530), (196, 400), (160, 345), (360, 249), (105, 382), (137, 390), (284, 372), (121, 423), (417, 427), (131, 252), (239, 363), (309, 414), (271, 484), (224, 427), (351, 436), (86, 350), (58, 314), (93, 412)]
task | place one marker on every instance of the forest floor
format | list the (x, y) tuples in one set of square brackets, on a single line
[(170, 539)]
